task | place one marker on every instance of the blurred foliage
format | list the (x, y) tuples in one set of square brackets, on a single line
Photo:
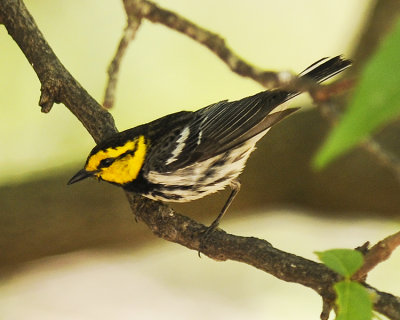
[(353, 301), (343, 261), (375, 102)]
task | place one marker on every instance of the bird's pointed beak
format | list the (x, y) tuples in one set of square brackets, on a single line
[(80, 175)]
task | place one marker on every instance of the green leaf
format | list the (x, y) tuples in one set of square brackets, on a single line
[(376, 101), (353, 301), (344, 261)]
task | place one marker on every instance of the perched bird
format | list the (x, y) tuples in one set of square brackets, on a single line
[(187, 155)]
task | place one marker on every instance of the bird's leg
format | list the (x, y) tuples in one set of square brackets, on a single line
[(235, 187)]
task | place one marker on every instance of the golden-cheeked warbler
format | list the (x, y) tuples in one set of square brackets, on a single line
[(187, 155)]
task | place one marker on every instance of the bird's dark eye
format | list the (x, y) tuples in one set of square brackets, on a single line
[(106, 162)]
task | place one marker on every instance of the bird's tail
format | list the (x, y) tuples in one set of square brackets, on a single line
[(325, 68), (320, 71)]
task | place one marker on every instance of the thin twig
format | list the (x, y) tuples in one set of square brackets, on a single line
[(384, 157), (327, 92), (217, 45), (113, 69), (327, 306), (134, 20), (377, 254)]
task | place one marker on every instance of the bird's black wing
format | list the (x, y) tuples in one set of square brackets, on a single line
[(224, 125)]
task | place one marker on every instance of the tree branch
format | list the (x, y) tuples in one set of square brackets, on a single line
[(221, 246), (60, 87)]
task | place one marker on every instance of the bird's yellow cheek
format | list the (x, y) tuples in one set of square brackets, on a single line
[(123, 170)]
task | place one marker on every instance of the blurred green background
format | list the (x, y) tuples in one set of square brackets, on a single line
[(76, 253)]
